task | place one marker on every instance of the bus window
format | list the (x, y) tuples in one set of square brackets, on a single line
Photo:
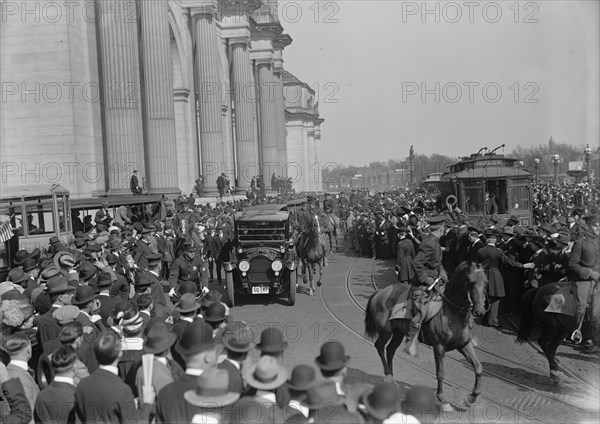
[(39, 215), (473, 195), (62, 217), (12, 208)]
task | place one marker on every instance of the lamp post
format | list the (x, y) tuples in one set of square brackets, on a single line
[(536, 165), (555, 160), (588, 156)]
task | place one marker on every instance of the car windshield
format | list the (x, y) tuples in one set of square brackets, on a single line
[(261, 231)]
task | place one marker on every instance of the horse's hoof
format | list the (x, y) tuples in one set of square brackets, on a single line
[(389, 378), (461, 407), (311, 292), (319, 283)]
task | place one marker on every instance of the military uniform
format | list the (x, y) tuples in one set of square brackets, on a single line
[(428, 266)]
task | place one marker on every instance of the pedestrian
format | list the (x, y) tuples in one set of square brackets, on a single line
[(103, 397)]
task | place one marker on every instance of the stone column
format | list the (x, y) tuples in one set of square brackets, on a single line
[(268, 120), (312, 165), (320, 164), (208, 85), (160, 136), (123, 136), (279, 44), (228, 155), (245, 112)]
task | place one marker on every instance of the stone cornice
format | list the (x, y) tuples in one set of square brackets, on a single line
[(282, 41), (201, 7), (238, 7), (268, 31)]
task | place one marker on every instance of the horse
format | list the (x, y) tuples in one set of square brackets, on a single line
[(311, 252), (450, 328), (555, 326), (329, 224)]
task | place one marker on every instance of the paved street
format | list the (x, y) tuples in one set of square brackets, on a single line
[(516, 387)]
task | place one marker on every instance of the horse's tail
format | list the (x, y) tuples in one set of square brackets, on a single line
[(370, 322), (527, 316)]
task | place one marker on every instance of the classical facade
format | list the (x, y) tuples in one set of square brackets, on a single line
[(95, 89)]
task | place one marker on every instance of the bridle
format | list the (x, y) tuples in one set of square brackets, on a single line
[(469, 308)]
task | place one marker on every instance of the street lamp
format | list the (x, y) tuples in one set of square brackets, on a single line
[(588, 156), (536, 164), (555, 160)]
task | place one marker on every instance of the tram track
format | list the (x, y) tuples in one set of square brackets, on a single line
[(518, 407)]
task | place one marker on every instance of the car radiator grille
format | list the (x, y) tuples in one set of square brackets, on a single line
[(259, 269)]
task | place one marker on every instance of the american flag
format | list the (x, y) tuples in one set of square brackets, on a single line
[(6, 232)]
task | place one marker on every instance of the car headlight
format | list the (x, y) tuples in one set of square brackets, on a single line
[(240, 251), (282, 249), (244, 266), (276, 265)]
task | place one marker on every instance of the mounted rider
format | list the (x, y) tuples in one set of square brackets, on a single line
[(428, 268), (306, 218)]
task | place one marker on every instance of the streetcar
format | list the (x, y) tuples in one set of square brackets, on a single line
[(260, 262), (491, 176)]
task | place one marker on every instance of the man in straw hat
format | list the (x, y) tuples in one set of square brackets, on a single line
[(263, 379), (428, 271), (198, 350), (207, 402)]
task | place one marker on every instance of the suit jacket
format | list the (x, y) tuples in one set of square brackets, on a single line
[(14, 406), (47, 327), (56, 404), (162, 375), (473, 248), (107, 304), (171, 407), (142, 251), (30, 386), (217, 247), (236, 382), (495, 257), (104, 398), (120, 288), (158, 295)]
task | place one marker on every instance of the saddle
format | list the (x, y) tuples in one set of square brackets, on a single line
[(403, 309), (568, 297)]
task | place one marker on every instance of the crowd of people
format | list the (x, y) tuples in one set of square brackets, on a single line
[(561, 244), (76, 320)]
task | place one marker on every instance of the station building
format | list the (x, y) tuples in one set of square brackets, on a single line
[(95, 89)]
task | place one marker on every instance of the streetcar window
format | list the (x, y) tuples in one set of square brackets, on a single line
[(473, 195), (519, 198), (39, 215), (497, 189)]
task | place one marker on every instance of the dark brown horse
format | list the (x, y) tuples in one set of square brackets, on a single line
[(451, 328), (311, 251), (554, 326)]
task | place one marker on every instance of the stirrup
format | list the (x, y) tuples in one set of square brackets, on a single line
[(576, 336)]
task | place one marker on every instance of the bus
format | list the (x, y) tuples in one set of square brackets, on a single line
[(36, 213)]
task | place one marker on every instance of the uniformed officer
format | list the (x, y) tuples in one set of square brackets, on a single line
[(191, 266), (428, 266)]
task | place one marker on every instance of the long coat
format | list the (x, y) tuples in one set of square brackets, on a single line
[(406, 254), (494, 258)]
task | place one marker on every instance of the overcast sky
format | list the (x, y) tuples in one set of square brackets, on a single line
[(507, 72)]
